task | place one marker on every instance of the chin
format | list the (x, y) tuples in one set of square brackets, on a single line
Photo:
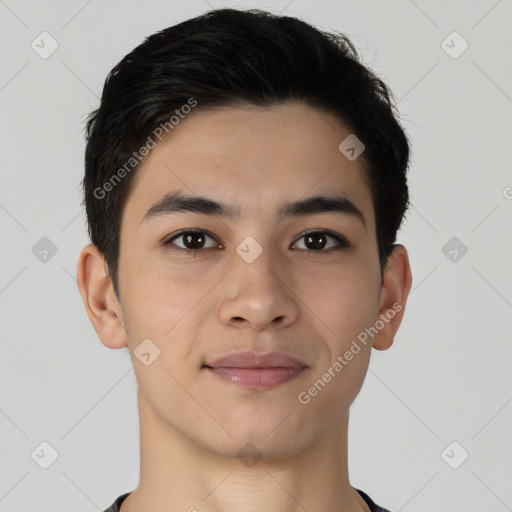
[(252, 450), (262, 443)]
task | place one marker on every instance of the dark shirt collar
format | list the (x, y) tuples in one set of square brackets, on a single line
[(116, 506)]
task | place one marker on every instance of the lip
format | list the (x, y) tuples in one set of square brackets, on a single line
[(251, 359), (256, 370)]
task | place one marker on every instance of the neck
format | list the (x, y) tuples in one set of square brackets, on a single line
[(177, 475)]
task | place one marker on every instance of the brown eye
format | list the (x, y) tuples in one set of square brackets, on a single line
[(319, 240), (192, 241)]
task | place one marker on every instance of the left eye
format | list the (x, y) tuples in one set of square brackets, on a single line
[(318, 240)]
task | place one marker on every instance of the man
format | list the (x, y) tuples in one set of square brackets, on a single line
[(245, 181)]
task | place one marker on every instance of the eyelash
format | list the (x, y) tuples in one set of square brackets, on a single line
[(343, 243)]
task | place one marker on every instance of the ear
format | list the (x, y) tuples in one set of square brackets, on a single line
[(397, 280), (97, 291)]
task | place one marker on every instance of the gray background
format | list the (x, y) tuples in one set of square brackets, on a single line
[(447, 377)]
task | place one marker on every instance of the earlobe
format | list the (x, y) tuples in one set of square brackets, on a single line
[(397, 281), (102, 307)]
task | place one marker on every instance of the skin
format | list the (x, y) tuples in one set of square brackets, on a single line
[(196, 307)]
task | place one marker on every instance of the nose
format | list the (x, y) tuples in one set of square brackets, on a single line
[(258, 295)]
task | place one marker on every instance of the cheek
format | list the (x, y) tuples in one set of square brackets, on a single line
[(160, 299), (343, 297), (345, 301)]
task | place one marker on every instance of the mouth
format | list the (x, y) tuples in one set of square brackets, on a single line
[(256, 371)]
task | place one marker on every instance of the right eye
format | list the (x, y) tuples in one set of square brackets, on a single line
[(192, 240)]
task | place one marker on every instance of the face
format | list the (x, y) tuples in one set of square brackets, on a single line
[(248, 275)]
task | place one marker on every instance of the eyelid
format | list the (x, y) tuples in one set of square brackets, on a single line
[(169, 239), (342, 241)]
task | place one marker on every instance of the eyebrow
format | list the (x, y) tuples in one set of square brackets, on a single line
[(177, 202)]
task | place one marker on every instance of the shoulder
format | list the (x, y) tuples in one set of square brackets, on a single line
[(371, 504), (116, 506)]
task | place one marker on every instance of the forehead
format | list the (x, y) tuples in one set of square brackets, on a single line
[(252, 158)]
